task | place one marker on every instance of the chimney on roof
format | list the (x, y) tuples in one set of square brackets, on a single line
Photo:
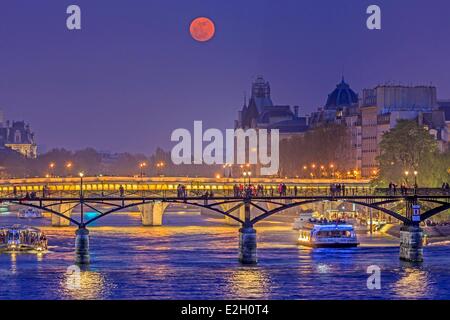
[(296, 111)]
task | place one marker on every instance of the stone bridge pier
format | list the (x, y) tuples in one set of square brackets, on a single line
[(247, 239), (66, 210), (411, 243), (82, 246), (152, 213), (411, 235)]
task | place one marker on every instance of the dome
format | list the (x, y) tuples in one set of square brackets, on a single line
[(342, 96)]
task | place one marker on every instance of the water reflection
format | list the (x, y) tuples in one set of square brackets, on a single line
[(82, 283), (13, 263), (249, 283), (182, 260), (413, 284), (323, 268)]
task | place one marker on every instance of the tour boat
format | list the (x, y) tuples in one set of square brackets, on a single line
[(323, 233), (18, 238), (30, 213)]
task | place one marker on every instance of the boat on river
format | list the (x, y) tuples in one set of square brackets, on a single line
[(324, 233), (30, 213), (19, 238), (328, 234)]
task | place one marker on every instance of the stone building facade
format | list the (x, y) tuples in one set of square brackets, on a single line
[(17, 136), (383, 106)]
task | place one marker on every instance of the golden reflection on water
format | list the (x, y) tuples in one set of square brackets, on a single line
[(248, 283), (13, 263), (83, 284), (414, 283)]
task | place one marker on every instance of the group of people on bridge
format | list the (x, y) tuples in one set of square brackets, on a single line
[(403, 188), (258, 190), (32, 195), (181, 191), (338, 189)]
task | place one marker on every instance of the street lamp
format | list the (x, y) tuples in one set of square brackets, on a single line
[(247, 174), (406, 176), (69, 166), (305, 174), (142, 165), (81, 174), (313, 167), (51, 166), (415, 179), (159, 166), (332, 169)]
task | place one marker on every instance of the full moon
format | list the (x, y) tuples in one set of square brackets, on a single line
[(202, 29)]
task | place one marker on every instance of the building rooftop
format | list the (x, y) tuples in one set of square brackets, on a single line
[(342, 96)]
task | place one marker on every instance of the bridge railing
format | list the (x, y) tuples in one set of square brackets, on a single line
[(202, 194)]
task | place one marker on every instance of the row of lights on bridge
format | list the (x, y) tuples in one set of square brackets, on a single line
[(142, 166)]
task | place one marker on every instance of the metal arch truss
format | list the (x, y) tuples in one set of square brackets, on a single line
[(118, 203)]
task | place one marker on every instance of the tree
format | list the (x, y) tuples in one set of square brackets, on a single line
[(435, 170), (409, 148), (323, 145)]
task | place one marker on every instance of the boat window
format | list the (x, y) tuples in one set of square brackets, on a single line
[(334, 234), (13, 236)]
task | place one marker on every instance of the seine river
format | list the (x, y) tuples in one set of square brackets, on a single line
[(195, 257)]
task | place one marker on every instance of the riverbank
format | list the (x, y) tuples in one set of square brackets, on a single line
[(435, 234)]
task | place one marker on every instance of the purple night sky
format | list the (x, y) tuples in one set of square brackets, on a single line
[(134, 74)]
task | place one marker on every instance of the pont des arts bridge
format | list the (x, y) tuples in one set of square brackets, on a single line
[(107, 185), (107, 195)]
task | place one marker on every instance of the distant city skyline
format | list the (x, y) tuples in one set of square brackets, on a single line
[(134, 74)]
